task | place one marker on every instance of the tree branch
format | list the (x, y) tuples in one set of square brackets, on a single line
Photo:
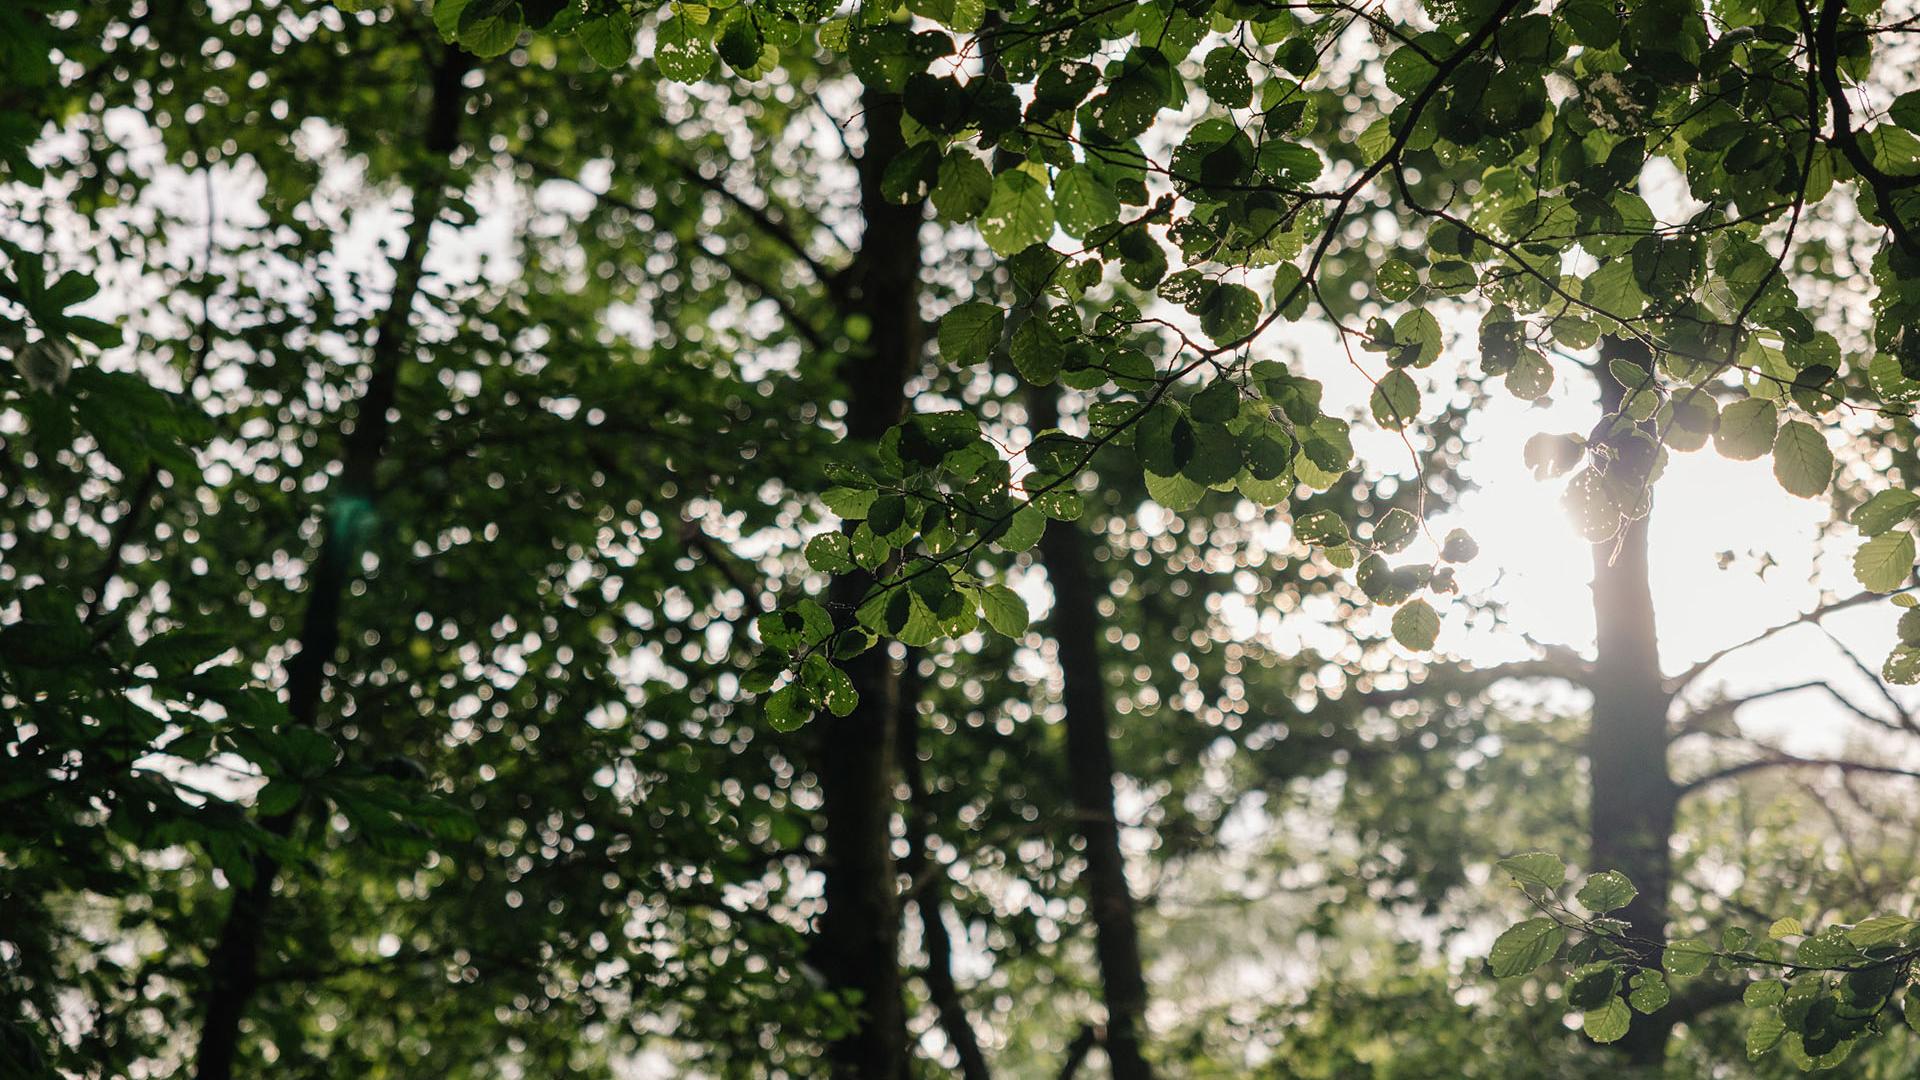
[(1560, 663), (1698, 720), (768, 224), (1886, 187), (1680, 681), (815, 337), (1876, 679), (1786, 761), (1083, 1043)]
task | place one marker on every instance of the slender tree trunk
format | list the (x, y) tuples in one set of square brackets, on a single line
[(233, 967), (1632, 796), (929, 894), (858, 945), (1064, 549)]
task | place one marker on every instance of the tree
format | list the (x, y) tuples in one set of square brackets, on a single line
[(285, 541)]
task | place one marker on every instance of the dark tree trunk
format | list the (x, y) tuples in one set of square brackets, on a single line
[(1076, 625), (858, 945), (929, 893), (1632, 797), (233, 972)]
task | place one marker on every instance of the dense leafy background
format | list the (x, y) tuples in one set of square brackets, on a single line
[(777, 539)]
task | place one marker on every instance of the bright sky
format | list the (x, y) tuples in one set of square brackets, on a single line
[(1538, 566)]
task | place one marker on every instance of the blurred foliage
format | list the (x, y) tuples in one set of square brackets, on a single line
[(546, 810)]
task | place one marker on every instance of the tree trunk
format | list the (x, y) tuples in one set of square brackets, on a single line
[(233, 967), (1632, 796), (929, 894), (1075, 622), (858, 945)]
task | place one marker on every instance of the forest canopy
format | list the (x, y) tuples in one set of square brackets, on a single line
[(1023, 538)]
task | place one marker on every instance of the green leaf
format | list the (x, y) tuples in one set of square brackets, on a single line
[(1174, 492), (920, 627), (1217, 404), (1023, 530), (838, 694), (1531, 377), (1084, 201), (970, 332), (179, 652), (1591, 985), (1903, 666), (786, 709), (798, 626), (1225, 77), (742, 44), (278, 797), (1037, 351), (1746, 429), (1417, 339), (1536, 869), (446, 17), (679, 47), (302, 752), (1765, 1029), (490, 34), (1551, 455), (962, 188), (830, 553), (1784, 928), (1884, 563), (1649, 992), (1061, 503), (1395, 531), (849, 503), (1322, 528), (911, 175), (1018, 214), (887, 513), (1229, 313), (1396, 400), (1609, 1022), (1525, 946), (1801, 460), (1606, 891), (1416, 625), (1460, 547), (1880, 930), (964, 16), (1685, 958), (1884, 509), (1328, 444), (609, 40), (1595, 23), (1905, 111), (1389, 585), (1004, 610)]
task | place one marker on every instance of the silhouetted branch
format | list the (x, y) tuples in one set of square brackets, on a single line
[(1077, 1050), (1785, 761), (1560, 663), (1681, 680), (1698, 720)]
